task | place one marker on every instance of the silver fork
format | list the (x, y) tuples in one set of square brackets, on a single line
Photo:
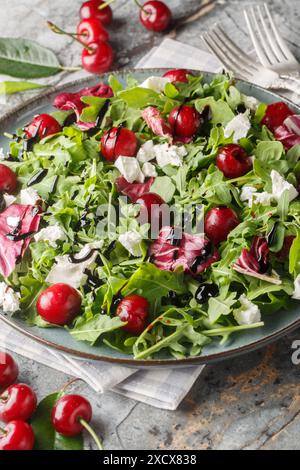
[(269, 45), (237, 61)]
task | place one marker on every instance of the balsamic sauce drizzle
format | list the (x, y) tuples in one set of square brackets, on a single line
[(38, 177), (206, 252), (205, 291)]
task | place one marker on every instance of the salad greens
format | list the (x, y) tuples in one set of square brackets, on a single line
[(79, 181)]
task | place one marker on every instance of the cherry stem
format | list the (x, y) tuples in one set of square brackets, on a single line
[(106, 4), (2, 431), (141, 7), (70, 69), (92, 433), (74, 36), (67, 385)]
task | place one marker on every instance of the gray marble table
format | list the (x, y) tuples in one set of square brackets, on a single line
[(250, 402)]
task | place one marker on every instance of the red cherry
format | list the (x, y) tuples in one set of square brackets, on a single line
[(233, 161), (17, 435), (98, 61), (42, 125), (17, 402), (91, 30), (276, 114), (9, 370), (59, 304), (150, 210), (177, 75), (118, 141), (184, 121), (67, 413), (91, 9), (134, 310), (155, 16), (8, 179), (219, 222)]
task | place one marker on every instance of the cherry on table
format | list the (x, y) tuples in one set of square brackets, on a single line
[(133, 309), (17, 402), (233, 161), (151, 211), (17, 435), (67, 413), (59, 304), (185, 121), (155, 15), (91, 31), (8, 179), (177, 75), (91, 9), (98, 58), (219, 222), (42, 125), (9, 370), (118, 141)]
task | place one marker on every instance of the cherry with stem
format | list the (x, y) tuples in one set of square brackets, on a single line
[(57, 30)]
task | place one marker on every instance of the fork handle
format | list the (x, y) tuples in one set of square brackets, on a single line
[(289, 85)]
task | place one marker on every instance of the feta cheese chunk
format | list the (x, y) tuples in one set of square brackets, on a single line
[(239, 126), (132, 242), (280, 185), (296, 294), (248, 313), (250, 195), (51, 234), (155, 83), (13, 222), (169, 154), (129, 167), (247, 194), (29, 196), (9, 299), (74, 273), (250, 102), (149, 170), (146, 152), (8, 199)]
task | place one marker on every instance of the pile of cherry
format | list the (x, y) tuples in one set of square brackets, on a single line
[(18, 402), (97, 55)]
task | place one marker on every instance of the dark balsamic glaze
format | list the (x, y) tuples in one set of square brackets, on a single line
[(115, 302), (174, 237), (99, 119), (54, 185), (38, 177), (82, 222), (241, 109), (271, 235), (71, 119), (92, 282), (74, 260), (174, 298), (29, 143), (206, 252), (16, 238), (110, 248), (205, 291)]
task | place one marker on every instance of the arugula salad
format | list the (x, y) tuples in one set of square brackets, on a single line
[(84, 242)]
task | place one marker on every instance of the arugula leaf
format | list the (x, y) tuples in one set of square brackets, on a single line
[(164, 187), (218, 306), (91, 112), (294, 264), (221, 111), (139, 97), (267, 152), (91, 329)]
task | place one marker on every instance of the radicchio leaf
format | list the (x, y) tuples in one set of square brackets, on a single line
[(156, 122), (133, 190)]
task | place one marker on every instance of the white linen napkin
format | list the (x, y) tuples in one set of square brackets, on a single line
[(162, 388)]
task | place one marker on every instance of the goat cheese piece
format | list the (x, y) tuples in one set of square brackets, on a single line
[(29, 196), (155, 83), (132, 242), (8, 199), (250, 102), (51, 234), (247, 194), (280, 185), (169, 154), (74, 273), (9, 299), (248, 313), (129, 167), (149, 170), (13, 222), (239, 126), (146, 152), (263, 198), (296, 293)]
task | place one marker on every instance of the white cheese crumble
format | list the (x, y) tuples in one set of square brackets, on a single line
[(13, 221), (146, 152), (247, 194), (29, 196), (250, 102), (132, 242), (280, 185), (73, 273), (9, 299), (155, 83), (129, 167), (239, 126), (296, 293), (8, 199), (51, 234), (248, 313), (149, 170), (2, 154), (169, 154)]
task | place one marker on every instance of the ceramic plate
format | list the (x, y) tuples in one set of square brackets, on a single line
[(276, 325)]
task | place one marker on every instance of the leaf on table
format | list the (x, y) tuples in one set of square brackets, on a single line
[(10, 88), (23, 58)]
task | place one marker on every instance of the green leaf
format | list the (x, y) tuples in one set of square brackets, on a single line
[(221, 111), (269, 151), (164, 187), (138, 97), (217, 306), (90, 113), (294, 265), (23, 58), (46, 438), (90, 330), (10, 88)]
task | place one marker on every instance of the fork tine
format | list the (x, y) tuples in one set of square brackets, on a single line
[(262, 35), (278, 37), (235, 49), (273, 45), (258, 48)]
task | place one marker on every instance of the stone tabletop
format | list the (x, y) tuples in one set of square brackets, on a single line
[(248, 403)]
